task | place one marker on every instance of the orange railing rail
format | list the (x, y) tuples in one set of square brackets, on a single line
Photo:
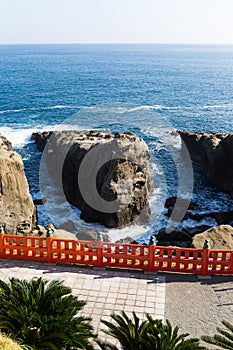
[(105, 254)]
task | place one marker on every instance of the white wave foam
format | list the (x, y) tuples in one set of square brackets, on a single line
[(192, 223), (120, 109), (162, 107), (60, 107), (165, 107), (13, 111), (130, 231), (125, 109), (167, 137), (38, 109), (17, 137), (217, 106), (20, 137)]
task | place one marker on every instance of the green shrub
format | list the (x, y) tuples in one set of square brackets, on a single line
[(223, 339), (150, 334), (43, 315)]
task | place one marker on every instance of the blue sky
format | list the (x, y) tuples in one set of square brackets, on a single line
[(116, 21)]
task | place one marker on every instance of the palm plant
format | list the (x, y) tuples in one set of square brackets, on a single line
[(129, 332), (163, 337), (43, 315), (223, 339), (149, 334)]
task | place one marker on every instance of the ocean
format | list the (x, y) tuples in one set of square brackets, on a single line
[(151, 90)]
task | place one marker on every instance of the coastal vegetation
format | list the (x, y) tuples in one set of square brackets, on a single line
[(149, 334), (223, 338), (45, 315)]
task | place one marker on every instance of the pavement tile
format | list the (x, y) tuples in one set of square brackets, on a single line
[(104, 291), (141, 298), (150, 310)]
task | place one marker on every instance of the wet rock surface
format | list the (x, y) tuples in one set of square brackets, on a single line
[(214, 153), (186, 236), (17, 211), (220, 237), (119, 164)]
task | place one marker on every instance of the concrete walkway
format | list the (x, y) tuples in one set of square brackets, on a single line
[(105, 291), (198, 304)]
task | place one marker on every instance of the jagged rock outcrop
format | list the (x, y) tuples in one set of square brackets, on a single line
[(220, 237), (106, 176), (17, 211), (176, 237), (41, 139), (214, 153), (183, 203), (221, 218)]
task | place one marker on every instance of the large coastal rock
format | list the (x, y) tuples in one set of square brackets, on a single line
[(17, 211), (220, 237), (106, 176), (214, 153)]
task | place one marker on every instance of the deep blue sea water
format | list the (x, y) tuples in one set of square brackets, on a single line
[(149, 89)]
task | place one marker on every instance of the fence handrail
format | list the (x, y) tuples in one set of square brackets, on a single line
[(202, 261)]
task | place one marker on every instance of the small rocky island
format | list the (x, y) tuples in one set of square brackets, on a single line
[(115, 182), (214, 153)]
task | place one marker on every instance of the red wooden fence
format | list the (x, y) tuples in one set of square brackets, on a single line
[(105, 254)]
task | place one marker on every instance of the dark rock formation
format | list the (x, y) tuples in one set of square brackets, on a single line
[(220, 237), (127, 240), (214, 153), (178, 208), (41, 139), (114, 182), (178, 237), (192, 231), (171, 201), (90, 235), (17, 211), (220, 217), (40, 201)]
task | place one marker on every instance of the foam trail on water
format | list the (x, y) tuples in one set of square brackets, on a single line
[(18, 137), (21, 137), (38, 109)]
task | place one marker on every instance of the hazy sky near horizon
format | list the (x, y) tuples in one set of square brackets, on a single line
[(116, 21)]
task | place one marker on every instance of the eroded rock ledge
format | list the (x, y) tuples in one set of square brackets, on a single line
[(125, 178), (214, 153), (17, 211)]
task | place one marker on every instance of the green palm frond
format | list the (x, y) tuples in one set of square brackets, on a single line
[(150, 334), (128, 331), (43, 314), (223, 338)]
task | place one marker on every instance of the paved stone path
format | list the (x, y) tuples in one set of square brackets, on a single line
[(198, 305), (105, 291)]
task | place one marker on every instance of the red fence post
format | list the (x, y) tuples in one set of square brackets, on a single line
[(231, 263), (151, 250), (2, 255), (205, 258), (49, 242), (99, 250)]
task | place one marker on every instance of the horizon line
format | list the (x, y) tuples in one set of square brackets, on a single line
[(115, 43)]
